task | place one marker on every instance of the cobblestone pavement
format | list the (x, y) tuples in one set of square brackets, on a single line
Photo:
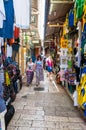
[(48, 109)]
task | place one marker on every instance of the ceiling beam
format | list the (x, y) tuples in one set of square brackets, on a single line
[(53, 25), (61, 2)]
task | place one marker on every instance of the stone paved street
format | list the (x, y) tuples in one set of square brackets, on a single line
[(48, 109)]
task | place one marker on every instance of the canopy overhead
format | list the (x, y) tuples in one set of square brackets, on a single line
[(57, 14)]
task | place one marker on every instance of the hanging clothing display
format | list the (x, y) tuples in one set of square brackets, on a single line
[(7, 30), (2, 102), (16, 32), (9, 51), (22, 13), (71, 18), (2, 13), (79, 8), (81, 89)]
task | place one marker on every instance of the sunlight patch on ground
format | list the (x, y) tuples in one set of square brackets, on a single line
[(55, 85)]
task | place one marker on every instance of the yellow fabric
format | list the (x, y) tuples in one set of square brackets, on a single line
[(70, 50), (65, 25), (81, 97), (64, 43), (84, 17), (75, 19), (7, 78)]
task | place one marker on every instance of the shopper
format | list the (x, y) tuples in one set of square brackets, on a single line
[(39, 70), (49, 67), (30, 71)]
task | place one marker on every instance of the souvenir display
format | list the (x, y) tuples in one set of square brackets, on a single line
[(63, 62)]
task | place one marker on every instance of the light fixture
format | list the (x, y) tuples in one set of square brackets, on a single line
[(48, 23)]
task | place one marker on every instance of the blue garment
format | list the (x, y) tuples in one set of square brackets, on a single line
[(71, 18), (85, 27), (7, 30), (39, 63), (1, 90), (50, 69), (84, 70), (2, 102), (2, 105)]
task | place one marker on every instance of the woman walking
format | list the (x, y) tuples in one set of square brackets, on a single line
[(49, 66), (39, 70), (30, 71)]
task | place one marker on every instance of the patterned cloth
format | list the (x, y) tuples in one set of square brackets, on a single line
[(39, 72), (30, 75)]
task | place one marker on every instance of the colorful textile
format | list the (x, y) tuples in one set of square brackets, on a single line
[(71, 18), (7, 30), (79, 8), (49, 69), (62, 75), (2, 13), (2, 105), (16, 32), (81, 89), (1, 75), (39, 72), (30, 75), (2, 102), (83, 45), (7, 78)]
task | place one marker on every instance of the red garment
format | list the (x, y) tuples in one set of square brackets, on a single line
[(11, 41), (16, 32), (49, 63)]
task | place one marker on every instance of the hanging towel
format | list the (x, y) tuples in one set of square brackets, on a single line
[(22, 13), (2, 13), (7, 30)]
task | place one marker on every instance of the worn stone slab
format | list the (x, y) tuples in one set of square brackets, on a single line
[(12, 128), (27, 128), (72, 126), (40, 113), (76, 119), (21, 123), (16, 116), (43, 124), (56, 118), (33, 108), (31, 117), (50, 111), (12, 123)]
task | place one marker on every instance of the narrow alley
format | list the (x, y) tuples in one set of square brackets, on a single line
[(47, 107)]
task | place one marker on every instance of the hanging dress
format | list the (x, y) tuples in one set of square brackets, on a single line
[(39, 72), (30, 73)]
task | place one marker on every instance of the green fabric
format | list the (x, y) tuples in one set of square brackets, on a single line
[(82, 46), (79, 8), (69, 64)]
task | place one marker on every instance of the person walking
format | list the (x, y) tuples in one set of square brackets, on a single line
[(39, 70), (49, 63), (30, 71)]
